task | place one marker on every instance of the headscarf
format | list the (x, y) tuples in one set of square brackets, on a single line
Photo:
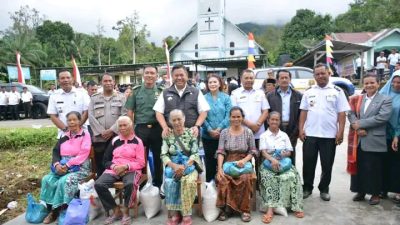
[(394, 120)]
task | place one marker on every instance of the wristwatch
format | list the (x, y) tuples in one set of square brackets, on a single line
[(65, 129)]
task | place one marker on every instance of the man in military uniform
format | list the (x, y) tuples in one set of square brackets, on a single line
[(104, 110), (140, 109)]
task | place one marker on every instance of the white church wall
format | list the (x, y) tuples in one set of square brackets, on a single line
[(232, 34), (186, 50)]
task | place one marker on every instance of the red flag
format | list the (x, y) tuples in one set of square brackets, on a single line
[(251, 53), (21, 78), (75, 72)]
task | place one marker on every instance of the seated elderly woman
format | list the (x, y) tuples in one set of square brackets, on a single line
[(180, 156), (70, 165), (280, 183), (124, 160), (236, 149)]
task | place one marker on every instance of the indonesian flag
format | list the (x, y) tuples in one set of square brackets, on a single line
[(75, 72), (329, 51), (21, 78), (168, 62), (250, 58)]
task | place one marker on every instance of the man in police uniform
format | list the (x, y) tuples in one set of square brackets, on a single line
[(184, 97), (65, 100), (140, 109), (104, 110), (322, 120)]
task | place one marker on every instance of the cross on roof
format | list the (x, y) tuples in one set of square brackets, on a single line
[(209, 21)]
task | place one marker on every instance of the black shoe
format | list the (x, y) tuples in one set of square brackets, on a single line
[(325, 196), (359, 197), (374, 200), (306, 194), (383, 195)]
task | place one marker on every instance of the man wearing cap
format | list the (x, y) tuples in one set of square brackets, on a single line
[(13, 101), (27, 99), (140, 109), (3, 103), (269, 85), (104, 110), (65, 100)]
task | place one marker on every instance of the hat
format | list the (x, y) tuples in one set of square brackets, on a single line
[(271, 81)]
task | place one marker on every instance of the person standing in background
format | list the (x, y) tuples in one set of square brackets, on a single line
[(27, 99)]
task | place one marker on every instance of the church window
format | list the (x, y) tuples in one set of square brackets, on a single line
[(231, 46), (196, 53)]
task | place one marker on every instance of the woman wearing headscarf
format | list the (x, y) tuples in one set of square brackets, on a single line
[(391, 171)]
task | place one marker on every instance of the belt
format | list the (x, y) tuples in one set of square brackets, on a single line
[(285, 124), (148, 125)]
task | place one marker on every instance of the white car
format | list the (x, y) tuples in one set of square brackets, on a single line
[(302, 78)]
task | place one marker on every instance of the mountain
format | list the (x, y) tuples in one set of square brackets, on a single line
[(255, 28)]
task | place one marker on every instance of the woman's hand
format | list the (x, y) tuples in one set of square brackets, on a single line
[(179, 170), (395, 144), (240, 163), (275, 164), (220, 174), (190, 162), (285, 153), (362, 132), (60, 169), (120, 170), (214, 133)]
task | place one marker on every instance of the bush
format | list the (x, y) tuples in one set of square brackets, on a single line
[(17, 138)]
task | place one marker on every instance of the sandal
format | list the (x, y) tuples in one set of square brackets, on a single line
[(246, 217), (51, 217), (174, 220), (187, 220), (299, 214), (222, 216), (267, 218), (126, 220), (112, 219)]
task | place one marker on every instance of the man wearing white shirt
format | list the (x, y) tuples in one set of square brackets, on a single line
[(321, 127), (184, 97), (393, 58), (26, 98), (13, 101), (380, 64), (52, 89), (3, 103), (65, 100)]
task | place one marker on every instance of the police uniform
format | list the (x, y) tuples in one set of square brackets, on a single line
[(103, 114), (141, 102), (321, 126), (61, 103)]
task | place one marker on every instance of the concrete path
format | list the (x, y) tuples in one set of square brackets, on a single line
[(341, 210), (28, 123)]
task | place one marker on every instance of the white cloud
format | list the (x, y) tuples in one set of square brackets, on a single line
[(163, 17)]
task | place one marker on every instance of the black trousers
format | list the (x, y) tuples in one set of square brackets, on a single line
[(293, 142), (210, 147), (106, 181), (151, 137), (327, 149), (99, 150), (14, 112), (27, 109), (3, 112)]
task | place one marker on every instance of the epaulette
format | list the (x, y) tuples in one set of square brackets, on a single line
[(337, 88), (136, 87), (95, 94)]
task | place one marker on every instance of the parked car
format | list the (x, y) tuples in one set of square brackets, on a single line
[(303, 78), (40, 99)]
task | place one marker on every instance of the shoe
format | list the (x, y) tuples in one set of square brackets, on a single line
[(50, 218), (306, 194), (396, 199), (374, 200), (325, 196), (359, 197), (383, 195)]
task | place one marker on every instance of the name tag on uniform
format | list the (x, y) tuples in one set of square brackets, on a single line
[(331, 98), (258, 98), (242, 98)]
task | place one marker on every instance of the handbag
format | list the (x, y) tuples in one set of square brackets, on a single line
[(35, 212), (234, 171), (284, 163), (77, 212)]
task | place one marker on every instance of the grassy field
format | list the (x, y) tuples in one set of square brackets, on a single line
[(22, 166)]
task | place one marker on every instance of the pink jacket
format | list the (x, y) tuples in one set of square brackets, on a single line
[(125, 151), (78, 147)]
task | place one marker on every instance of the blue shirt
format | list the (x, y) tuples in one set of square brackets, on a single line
[(218, 116), (285, 103)]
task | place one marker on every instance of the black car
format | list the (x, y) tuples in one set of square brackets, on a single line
[(40, 99)]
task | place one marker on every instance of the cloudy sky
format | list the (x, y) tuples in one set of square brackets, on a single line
[(164, 17)]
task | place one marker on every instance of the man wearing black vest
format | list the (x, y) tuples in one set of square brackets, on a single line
[(181, 96), (286, 101)]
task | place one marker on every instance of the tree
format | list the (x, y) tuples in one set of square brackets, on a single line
[(369, 15), (170, 41), (270, 40), (306, 24), (99, 38), (131, 29), (58, 39)]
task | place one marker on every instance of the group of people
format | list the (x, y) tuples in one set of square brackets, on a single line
[(249, 138), (10, 100)]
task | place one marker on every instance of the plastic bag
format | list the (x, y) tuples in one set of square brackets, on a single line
[(232, 170), (77, 212), (35, 212), (61, 217), (210, 210), (281, 211), (86, 190), (150, 198)]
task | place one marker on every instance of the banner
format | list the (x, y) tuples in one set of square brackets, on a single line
[(48, 75), (13, 72)]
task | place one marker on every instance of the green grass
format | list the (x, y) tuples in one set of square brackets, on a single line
[(19, 138)]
